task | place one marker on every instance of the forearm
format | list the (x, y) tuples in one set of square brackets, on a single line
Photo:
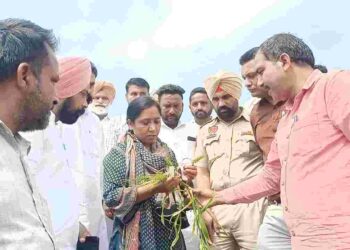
[(145, 192), (203, 181), (264, 184), (203, 178)]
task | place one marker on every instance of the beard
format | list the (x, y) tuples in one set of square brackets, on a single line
[(99, 110), (200, 114), (67, 115), (171, 121), (36, 112), (225, 113)]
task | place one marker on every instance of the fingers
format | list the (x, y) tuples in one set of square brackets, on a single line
[(172, 182), (190, 173), (109, 213), (83, 236), (190, 170)]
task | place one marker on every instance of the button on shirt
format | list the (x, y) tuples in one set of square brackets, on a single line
[(176, 139), (309, 162), (264, 119), (229, 151), (24, 219)]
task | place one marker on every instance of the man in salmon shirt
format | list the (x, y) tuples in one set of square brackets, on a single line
[(309, 160)]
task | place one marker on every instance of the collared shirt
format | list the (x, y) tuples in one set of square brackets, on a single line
[(176, 139), (53, 171), (309, 162), (24, 220), (264, 119), (229, 151), (113, 129), (249, 105)]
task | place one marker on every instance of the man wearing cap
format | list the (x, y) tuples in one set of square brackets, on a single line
[(90, 134), (229, 156), (50, 159), (103, 95)]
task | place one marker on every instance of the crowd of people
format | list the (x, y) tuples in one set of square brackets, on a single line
[(275, 172)]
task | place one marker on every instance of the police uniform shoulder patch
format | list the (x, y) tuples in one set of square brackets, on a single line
[(212, 131)]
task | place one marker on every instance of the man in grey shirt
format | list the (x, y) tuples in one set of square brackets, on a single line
[(28, 72)]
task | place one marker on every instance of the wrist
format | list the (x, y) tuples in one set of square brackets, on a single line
[(218, 198)]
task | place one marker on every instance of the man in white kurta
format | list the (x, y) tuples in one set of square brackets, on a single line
[(90, 135), (53, 173), (53, 165)]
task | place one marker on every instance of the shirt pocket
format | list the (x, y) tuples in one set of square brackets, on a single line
[(305, 135), (244, 145), (213, 148)]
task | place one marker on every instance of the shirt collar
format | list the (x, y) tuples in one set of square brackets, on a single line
[(244, 113), (309, 83), (179, 125), (5, 129), (15, 139), (313, 77)]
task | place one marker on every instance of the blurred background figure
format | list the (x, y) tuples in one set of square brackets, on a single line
[(200, 106), (103, 96)]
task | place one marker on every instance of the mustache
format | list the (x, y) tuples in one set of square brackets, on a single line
[(224, 108), (201, 112), (171, 116)]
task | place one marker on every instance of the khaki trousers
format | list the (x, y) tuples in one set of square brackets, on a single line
[(240, 225)]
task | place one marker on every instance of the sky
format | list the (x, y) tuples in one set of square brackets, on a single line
[(183, 41)]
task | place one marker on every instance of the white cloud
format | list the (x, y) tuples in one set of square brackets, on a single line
[(137, 49), (78, 30), (85, 6), (192, 21)]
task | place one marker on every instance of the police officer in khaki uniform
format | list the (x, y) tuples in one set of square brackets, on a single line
[(230, 156)]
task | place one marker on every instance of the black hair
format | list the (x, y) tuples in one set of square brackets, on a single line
[(321, 68), (137, 81), (248, 56), (295, 47), (94, 69), (23, 41), (170, 89), (138, 105), (196, 91)]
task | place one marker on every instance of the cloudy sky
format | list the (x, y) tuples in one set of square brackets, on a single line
[(183, 41)]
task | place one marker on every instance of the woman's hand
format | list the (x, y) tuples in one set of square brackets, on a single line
[(168, 185), (109, 212)]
